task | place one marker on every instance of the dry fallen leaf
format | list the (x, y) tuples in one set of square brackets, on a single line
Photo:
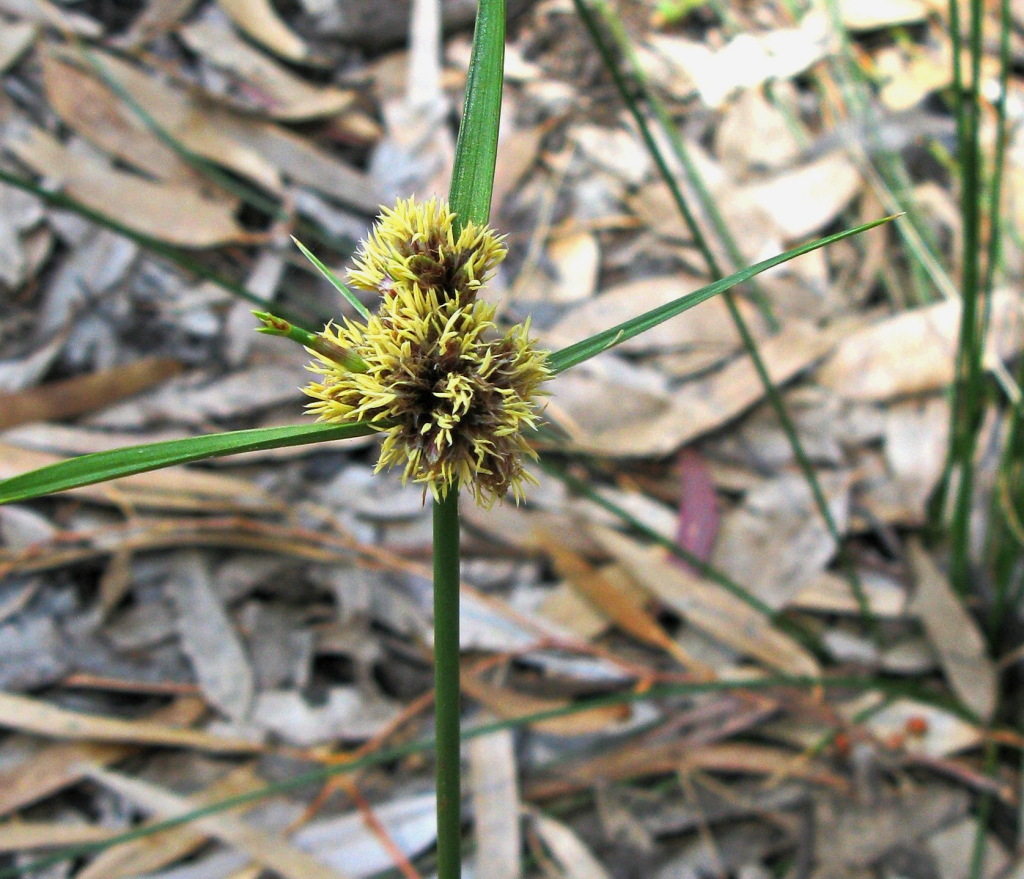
[(682, 755), (169, 212), (620, 606), (777, 145), (271, 88), (952, 850), (777, 541), (509, 704), (953, 634), (94, 111), (140, 857), (831, 594), (877, 14), (41, 718), (492, 778), (22, 836), (574, 858), (254, 148), (855, 834), (209, 639), (707, 606), (273, 852), (86, 393), (912, 352), (48, 14), (54, 767), (916, 438), (698, 406), (349, 843), (260, 20), (745, 61), (576, 261), (944, 732), (16, 38), (803, 200)]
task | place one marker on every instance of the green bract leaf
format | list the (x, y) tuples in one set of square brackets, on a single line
[(603, 341), (98, 467), (350, 297), (477, 147)]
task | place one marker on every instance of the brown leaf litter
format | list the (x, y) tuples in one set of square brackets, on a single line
[(202, 632)]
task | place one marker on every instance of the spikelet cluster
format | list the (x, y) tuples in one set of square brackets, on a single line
[(452, 394)]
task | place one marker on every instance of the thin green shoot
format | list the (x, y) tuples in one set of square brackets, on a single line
[(779, 620), (278, 326), (89, 469), (608, 339), (749, 343), (153, 245), (894, 688), (693, 176), (337, 283), (968, 393), (102, 466)]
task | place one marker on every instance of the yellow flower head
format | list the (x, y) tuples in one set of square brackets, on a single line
[(416, 245), (452, 394)]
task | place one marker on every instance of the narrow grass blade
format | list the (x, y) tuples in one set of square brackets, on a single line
[(447, 688), (477, 148), (893, 688), (587, 348), (625, 55), (611, 61), (350, 297), (968, 390), (100, 466), (153, 245), (811, 641), (208, 169)]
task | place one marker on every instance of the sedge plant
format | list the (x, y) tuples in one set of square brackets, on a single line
[(454, 398)]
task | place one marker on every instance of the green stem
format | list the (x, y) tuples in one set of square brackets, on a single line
[(892, 688), (967, 390), (978, 850), (772, 393), (175, 255), (446, 684), (476, 152)]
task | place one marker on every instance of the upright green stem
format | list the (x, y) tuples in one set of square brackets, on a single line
[(749, 343), (446, 684), (472, 184), (967, 388)]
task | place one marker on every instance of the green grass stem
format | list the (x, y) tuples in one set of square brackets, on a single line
[(446, 685), (153, 245), (811, 641), (968, 392), (693, 176), (476, 153), (894, 688), (749, 342)]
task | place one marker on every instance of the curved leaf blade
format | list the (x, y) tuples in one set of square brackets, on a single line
[(603, 341), (101, 466)]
